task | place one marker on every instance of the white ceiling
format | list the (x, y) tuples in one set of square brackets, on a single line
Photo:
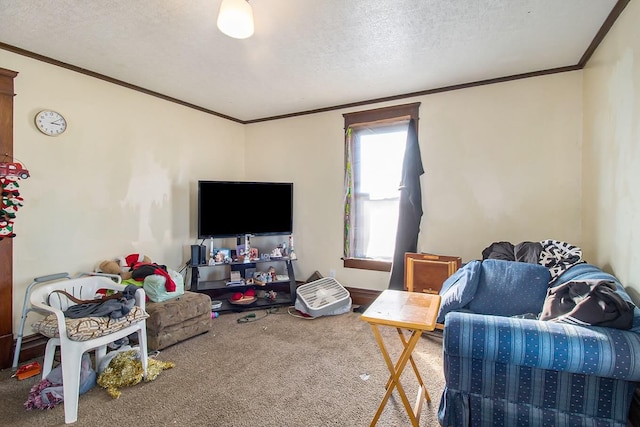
[(305, 54)]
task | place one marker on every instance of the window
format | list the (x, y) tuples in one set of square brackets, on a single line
[(374, 151)]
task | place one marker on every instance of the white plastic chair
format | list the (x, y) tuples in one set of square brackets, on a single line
[(71, 351), (27, 307)]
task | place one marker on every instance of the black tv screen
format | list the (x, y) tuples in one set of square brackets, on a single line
[(235, 208)]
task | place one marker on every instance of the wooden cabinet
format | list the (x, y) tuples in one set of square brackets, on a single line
[(427, 272), (6, 245)]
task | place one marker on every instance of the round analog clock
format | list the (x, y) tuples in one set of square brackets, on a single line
[(50, 123)]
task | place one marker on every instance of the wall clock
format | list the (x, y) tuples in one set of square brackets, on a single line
[(50, 123)]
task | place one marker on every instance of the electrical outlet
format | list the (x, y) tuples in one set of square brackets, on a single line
[(332, 273)]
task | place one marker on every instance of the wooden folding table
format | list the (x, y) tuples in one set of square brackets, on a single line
[(411, 311)]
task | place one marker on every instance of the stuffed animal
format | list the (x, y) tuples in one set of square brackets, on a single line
[(112, 267), (121, 265)]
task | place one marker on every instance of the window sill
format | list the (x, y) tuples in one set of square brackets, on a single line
[(367, 264)]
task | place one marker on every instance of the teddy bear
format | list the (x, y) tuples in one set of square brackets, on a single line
[(123, 266)]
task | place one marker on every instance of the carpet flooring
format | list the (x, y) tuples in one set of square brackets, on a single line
[(278, 370)]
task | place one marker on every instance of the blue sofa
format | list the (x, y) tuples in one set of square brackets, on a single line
[(503, 369)]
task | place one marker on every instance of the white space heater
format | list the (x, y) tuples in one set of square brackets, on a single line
[(323, 297)]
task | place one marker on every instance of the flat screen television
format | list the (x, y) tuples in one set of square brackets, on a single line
[(236, 208)]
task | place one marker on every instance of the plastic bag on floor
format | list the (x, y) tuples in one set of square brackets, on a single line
[(49, 392)]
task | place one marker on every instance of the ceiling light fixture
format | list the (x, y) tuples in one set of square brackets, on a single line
[(235, 18)]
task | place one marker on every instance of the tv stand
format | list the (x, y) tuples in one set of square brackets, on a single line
[(218, 289)]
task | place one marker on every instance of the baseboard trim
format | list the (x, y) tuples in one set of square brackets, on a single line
[(32, 347), (363, 296)]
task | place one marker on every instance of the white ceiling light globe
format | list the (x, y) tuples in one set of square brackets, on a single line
[(235, 19)]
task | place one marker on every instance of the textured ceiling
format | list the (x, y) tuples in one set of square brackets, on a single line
[(305, 54)]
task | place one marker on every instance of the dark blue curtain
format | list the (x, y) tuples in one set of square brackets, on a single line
[(410, 210)]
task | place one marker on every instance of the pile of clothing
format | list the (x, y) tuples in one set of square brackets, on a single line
[(556, 255)]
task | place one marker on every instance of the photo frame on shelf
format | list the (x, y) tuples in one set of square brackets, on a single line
[(239, 251), (221, 254)]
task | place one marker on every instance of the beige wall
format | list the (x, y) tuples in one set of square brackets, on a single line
[(502, 162), (121, 179), (611, 173)]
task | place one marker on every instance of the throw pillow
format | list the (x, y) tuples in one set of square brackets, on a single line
[(458, 290), (510, 288)]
